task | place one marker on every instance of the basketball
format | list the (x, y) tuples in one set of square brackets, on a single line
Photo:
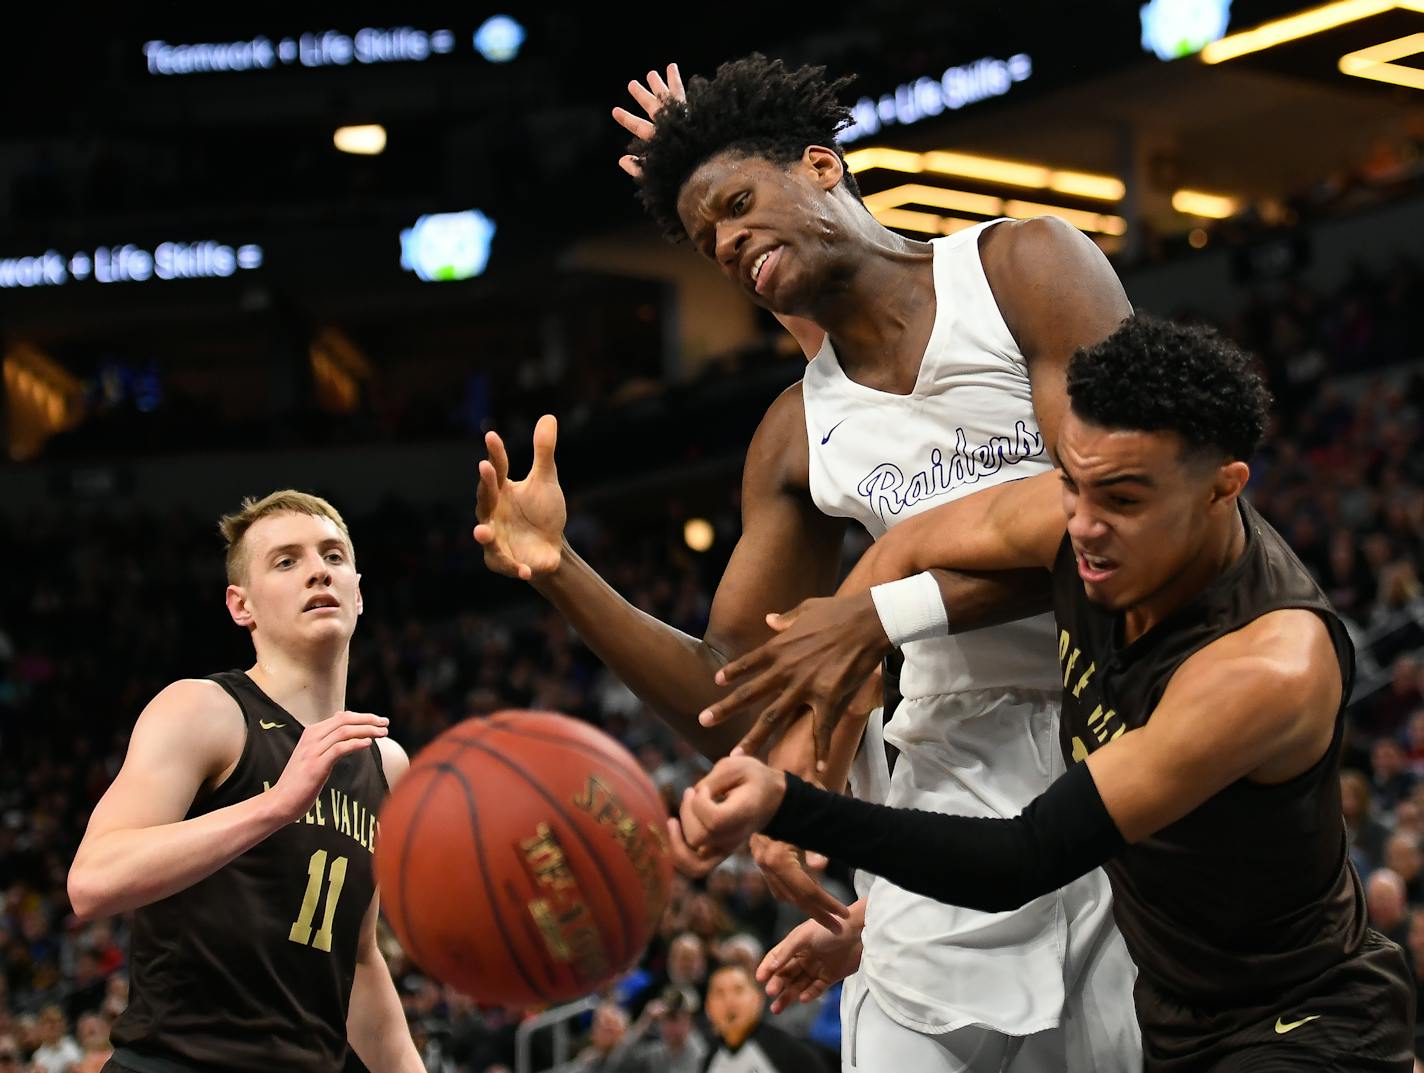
[(523, 859)]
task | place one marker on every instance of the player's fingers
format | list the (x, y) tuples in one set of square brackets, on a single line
[(773, 719), (637, 126), (743, 665), (674, 80), (498, 457), (747, 695), (780, 955), (694, 829), (814, 900), (546, 437), (484, 534), (351, 733), (817, 862), (647, 100), (684, 857), (341, 721), (631, 165), (784, 620), (486, 491), (824, 719)]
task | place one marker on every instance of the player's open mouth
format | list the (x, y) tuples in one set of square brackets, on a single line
[(763, 268), (322, 603), (1094, 568)]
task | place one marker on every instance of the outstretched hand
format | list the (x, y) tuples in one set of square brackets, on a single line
[(823, 657), (650, 98), (521, 523)]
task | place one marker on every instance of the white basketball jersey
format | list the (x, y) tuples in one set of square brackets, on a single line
[(977, 731)]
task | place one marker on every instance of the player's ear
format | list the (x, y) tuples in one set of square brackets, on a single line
[(825, 165), (238, 607), (1230, 482), (360, 600)]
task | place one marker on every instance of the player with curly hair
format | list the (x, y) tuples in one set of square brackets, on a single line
[(937, 370), (1204, 679)]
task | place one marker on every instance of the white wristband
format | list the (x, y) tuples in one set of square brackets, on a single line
[(911, 609)]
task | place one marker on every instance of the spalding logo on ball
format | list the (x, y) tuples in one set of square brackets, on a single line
[(523, 859)]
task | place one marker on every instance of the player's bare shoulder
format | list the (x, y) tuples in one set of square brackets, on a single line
[(1281, 675), (197, 720), (394, 760), (779, 458)]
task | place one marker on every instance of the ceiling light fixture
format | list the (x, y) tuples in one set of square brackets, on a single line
[(1096, 187), (368, 139), (1377, 62), (1303, 24), (1200, 203)]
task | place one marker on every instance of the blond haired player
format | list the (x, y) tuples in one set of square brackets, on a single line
[(241, 827)]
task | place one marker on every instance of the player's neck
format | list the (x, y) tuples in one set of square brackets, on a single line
[(1221, 548), (879, 315), (310, 689)]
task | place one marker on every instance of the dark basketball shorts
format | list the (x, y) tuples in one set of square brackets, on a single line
[(1357, 1017)]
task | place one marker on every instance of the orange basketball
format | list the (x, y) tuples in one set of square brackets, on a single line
[(523, 859)]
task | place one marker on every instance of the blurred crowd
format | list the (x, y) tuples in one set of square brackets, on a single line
[(98, 612)]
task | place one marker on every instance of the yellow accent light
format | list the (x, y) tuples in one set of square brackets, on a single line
[(1083, 221), (880, 157), (1303, 24), (1086, 185), (892, 200), (990, 169), (698, 534), (927, 222), (369, 139), (1198, 203), (1377, 62), (1083, 184), (936, 197)]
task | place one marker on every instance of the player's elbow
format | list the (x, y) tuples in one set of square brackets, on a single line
[(85, 897), (90, 896)]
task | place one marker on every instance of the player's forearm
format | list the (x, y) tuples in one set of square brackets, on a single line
[(796, 751), (122, 870), (668, 670), (376, 1025), (989, 864)]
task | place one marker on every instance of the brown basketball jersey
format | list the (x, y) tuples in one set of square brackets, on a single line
[(251, 968), (1252, 893)]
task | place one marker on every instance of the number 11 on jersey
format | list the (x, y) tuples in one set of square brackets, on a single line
[(301, 929)]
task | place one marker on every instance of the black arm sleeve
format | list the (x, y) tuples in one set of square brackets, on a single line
[(987, 864)]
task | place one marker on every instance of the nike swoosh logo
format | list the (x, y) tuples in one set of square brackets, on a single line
[(269, 726), (827, 437), (1282, 1027)]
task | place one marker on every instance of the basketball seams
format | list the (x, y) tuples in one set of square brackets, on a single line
[(407, 844), (445, 767), (609, 886), (631, 772)]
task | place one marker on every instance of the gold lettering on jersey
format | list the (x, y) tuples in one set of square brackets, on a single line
[(560, 914), (644, 847), (1078, 689), (1103, 724)]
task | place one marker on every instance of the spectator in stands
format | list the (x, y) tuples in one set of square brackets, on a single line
[(1393, 781), (57, 1051), (9, 1054), (746, 1043), (1385, 900), (610, 1025), (1365, 834), (687, 963), (93, 1033), (1402, 854), (679, 1047)]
